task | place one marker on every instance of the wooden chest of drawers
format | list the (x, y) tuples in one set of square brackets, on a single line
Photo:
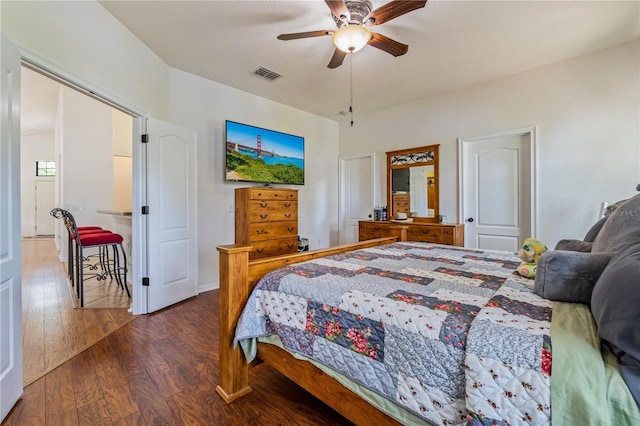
[(267, 219), (401, 203), (368, 230), (436, 233)]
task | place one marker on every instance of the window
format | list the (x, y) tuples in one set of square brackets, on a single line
[(45, 168)]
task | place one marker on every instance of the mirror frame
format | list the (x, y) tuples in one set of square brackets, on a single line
[(406, 158)]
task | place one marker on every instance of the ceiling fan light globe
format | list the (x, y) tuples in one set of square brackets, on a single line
[(351, 38)]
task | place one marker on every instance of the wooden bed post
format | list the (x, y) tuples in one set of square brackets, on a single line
[(234, 292), (399, 231)]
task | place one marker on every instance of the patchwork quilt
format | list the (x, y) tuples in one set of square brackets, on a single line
[(450, 334)]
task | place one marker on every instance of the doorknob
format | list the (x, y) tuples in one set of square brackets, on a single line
[(470, 220)]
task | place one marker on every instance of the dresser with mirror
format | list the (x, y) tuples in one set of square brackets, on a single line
[(412, 198)]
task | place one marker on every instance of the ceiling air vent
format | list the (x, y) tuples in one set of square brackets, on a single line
[(267, 74)]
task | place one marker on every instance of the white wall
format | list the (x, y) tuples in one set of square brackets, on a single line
[(33, 148), (122, 161), (87, 157), (204, 105), (82, 38), (587, 111), (122, 134)]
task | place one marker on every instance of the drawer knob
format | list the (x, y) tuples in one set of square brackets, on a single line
[(263, 205), (264, 216), (287, 215), (260, 231), (288, 205), (260, 250), (290, 229), (290, 245)]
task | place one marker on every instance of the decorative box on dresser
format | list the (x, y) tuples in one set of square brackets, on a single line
[(267, 219), (436, 233)]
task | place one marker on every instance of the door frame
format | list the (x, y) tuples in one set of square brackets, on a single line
[(341, 195), (139, 164), (465, 143)]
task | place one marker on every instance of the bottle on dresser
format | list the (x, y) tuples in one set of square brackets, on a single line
[(377, 212)]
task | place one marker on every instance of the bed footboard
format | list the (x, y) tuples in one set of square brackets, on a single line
[(238, 276)]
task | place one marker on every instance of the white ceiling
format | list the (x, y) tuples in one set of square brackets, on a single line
[(452, 44)]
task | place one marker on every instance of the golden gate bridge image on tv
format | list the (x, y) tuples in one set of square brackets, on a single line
[(257, 149)]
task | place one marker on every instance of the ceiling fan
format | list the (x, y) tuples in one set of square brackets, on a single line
[(353, 18)]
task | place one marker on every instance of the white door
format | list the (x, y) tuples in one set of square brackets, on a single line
[(10, 255), (45, 201), (356, 195), (497, 187), (172, 220)]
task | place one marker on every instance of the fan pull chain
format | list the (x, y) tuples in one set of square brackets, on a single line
[(351, 86)]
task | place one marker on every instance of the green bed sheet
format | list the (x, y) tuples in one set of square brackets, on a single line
[(586, 385)]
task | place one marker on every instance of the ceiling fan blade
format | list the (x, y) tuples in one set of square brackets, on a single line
[(338, 8), (387, 44), (337, 58), (392, 10), (294, 36)]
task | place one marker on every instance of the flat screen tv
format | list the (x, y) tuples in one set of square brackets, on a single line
[(254, 154)]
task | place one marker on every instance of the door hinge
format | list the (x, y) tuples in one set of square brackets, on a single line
[(145, 281), (145, 138), (145, 209)]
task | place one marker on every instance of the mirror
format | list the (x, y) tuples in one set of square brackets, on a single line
[(412, 183)]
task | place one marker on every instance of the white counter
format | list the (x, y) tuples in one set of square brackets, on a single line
[(121, 224)]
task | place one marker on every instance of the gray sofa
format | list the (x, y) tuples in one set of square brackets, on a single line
[(604, 274)]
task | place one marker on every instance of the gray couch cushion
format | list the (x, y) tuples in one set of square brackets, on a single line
[(621, 229), (612, 207), (615, 304), (574, 245), (569, 276), (595, 230)]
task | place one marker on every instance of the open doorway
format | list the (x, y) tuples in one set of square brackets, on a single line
[(81, 150), (156, 197)]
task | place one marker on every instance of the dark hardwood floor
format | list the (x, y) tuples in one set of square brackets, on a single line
[(162, 369)]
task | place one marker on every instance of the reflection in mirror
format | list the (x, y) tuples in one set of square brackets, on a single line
[(417, 183), (413, 183)]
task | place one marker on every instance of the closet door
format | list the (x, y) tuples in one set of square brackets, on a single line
[(356, 195), (497, 191)]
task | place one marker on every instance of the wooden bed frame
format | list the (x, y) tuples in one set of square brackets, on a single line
[(238, 277)]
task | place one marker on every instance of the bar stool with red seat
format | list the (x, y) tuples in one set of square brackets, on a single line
[(100, 240), (58, 213), (103, 254)]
